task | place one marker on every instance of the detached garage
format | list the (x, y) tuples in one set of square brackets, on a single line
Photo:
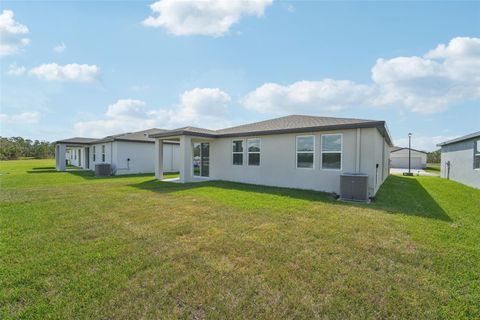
[(399, 158)]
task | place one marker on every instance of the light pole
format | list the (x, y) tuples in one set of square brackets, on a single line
[(409, 151), (409, 173)]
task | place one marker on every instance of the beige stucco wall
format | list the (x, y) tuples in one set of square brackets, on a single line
[(98, 159), (460, 155), (141, 157), (278, 161)]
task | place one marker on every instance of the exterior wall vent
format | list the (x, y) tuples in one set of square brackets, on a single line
[(103, 169), (354, 186)]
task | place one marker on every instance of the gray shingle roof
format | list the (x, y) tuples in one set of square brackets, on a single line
[(395, 149), (77, 140), (138, 136), (287, 124), (293, 122), (462, 138)]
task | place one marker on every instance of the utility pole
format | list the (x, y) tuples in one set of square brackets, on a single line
[(409, 152), (409, 173)]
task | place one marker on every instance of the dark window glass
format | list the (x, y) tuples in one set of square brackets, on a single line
[(305, 144), (331, 160), (238, 158), (254, 159), (305, 160), (196, 159), (205, 159), (476, 158), (254, 145), (332, 142), (238, 146)]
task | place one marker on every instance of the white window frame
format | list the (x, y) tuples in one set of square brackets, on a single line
[(94, 154), (476, 152), (103, 153), (322, 152), (297, 152), (254, 152), (237, 152)]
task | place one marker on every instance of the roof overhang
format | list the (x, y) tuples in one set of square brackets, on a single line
[(175, 134), (460, 139), (400, 149), (380, 125)]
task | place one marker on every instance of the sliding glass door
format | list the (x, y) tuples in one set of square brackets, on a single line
[(201, 159)]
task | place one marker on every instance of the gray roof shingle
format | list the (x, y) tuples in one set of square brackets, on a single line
[(138, 136), (77, 140), (462, 138), (287, 124)]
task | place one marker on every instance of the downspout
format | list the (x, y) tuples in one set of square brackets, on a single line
[(357, 154)]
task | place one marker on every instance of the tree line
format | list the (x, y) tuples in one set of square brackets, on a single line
[(18, 147), (433, 157)]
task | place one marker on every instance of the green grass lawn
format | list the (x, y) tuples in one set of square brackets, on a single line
[(433, 168), (76, 246)]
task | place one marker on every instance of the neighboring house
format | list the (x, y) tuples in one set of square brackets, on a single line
[(399, 158), (296, 151), (461, 159), (128, 153)]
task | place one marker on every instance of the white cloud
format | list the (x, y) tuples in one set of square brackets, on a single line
[(15, 70), (12, 33), (20, 118), (60, 48), (427, 84), (206, 107), (205, 17), (305, 96), (68, 72), (425, 143)]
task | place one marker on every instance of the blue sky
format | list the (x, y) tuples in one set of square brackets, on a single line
[(94, 68)]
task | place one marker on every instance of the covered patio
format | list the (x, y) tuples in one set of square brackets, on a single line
[(194, 155), (62, 146)]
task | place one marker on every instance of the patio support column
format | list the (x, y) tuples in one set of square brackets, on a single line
[(185, 159), (60, 153), (159, 159)]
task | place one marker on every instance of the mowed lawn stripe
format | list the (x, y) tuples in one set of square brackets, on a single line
[(133, 247)]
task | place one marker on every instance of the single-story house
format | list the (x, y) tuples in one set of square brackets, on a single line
[(460, 159), (127, 153), (399, 158), (296, 151)]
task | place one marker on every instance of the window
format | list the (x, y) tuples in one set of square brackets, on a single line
[(305, 151), (253, 152), (94, 153), (476, 157), (237, 150), (103, 153), (332, 151)]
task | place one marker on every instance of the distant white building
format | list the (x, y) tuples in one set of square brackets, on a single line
[(461, 159), (399, 158), (127, 153)]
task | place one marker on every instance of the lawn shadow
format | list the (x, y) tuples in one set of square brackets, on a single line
[(406, 195), (398, 195), (169, 187)]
